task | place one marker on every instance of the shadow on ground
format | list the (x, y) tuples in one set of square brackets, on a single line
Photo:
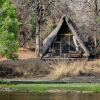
[(23, 68)]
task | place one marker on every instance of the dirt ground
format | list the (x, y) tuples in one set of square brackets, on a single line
[(23, 53), (26, 54), (27, 66)]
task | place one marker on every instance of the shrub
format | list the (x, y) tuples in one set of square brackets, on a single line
[(8, 29)]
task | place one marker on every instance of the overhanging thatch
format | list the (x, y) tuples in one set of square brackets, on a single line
[(49, 40)]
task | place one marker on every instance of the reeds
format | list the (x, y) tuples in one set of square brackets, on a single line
[(65, 69)]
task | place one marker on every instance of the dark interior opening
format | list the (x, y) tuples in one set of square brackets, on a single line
[(63, 42)]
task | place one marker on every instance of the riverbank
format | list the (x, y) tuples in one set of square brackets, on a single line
[(29, 67), (35, 69), (30, 74), (51, 88)]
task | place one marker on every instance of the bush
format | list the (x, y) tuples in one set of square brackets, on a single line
[(8, 29)]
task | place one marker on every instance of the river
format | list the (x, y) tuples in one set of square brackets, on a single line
[(55, 96)]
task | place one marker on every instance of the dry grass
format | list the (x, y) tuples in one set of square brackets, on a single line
[(29, 68), (78, 68)]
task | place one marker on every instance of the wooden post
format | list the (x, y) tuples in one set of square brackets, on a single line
[(69, 42), (61, 46), (60, 49)]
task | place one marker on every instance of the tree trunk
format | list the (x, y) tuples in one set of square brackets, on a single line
[(37, 49)]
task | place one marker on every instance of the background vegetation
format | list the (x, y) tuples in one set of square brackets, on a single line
[(8, 29), (40, 17)]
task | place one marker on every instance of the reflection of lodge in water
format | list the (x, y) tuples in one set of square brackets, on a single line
[(64, 42)]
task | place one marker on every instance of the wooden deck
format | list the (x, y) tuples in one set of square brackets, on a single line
[(63, 59)]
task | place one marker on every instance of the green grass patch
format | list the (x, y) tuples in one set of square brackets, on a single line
[(44, 88)]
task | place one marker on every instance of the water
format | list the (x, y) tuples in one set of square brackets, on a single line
[(56, 96)]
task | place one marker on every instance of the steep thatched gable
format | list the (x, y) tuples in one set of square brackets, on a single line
[(49, 40)]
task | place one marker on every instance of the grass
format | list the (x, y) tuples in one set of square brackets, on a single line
[(34, 68), (77, 68), (45, 88)]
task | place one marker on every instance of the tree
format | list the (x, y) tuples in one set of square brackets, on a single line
[(41, 10), (8, 29), (27, 22), (32, 16)]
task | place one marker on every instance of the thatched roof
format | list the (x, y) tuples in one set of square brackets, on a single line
[(49, 40)]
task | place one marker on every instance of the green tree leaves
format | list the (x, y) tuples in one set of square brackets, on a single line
[(8, 29)]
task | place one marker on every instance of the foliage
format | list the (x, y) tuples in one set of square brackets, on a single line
[(8, 29), (52, 88), (98, 19), (33, 26)]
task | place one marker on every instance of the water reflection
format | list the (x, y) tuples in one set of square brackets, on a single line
[(62, 96)]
